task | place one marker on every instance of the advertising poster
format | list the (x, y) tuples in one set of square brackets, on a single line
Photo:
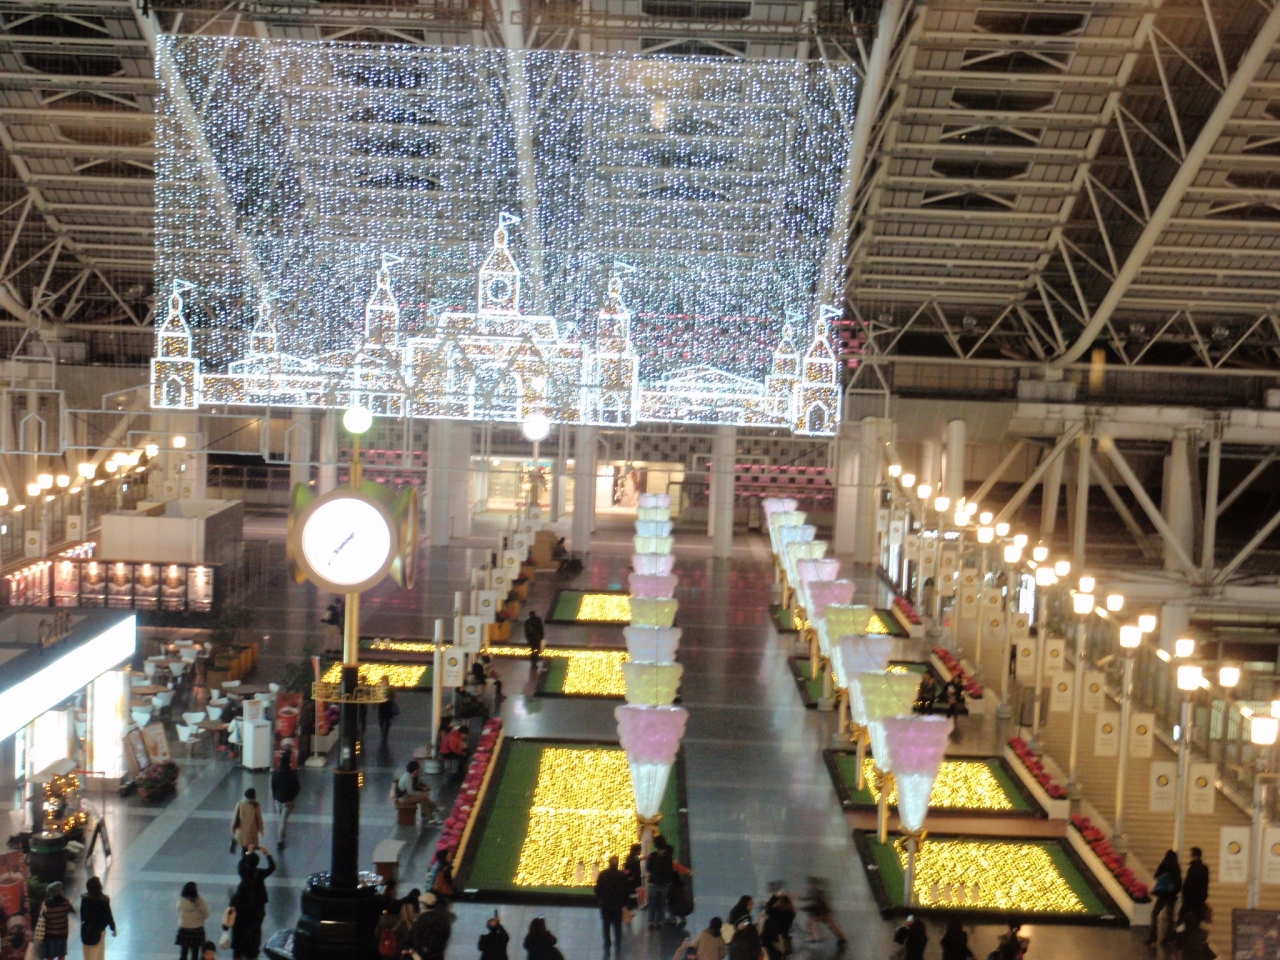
[(173, 587), (1060, 693), (1142, 739), (1026, 662), (66, 583), (1201, 789), (93, 584), (1271, 856), (452, 673), (146, 586), (199, 589), (1054, 655), (1093, 691), (120, 585), (1106, 734), (472, 633), (1233, 855), (1163, 787)]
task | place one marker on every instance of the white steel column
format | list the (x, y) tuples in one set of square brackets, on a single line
[(1080, 528), (584, 489), (1049, 492), (858, 456), (1177, 509), (930, 465), (558, 476), (327, 475), (953, 482), (439, 456), (724, 449), (298, 448), (460, 478)]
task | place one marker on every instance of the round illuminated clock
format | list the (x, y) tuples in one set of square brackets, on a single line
[(499, 289), (346, 541)]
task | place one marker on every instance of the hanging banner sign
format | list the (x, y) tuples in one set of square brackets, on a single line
[(488, 602), (452, 674), (1163, 787), (1201, 789), (1106, 734), (1054, 655), (911, 546), (968, 603), (1093, 688), (1141, 734), (993, 624), (1060, 693), (1019, 625), (472, 633), (1271, 856), (896, 530), (882, 520), (1026, 662), (1233, 855)]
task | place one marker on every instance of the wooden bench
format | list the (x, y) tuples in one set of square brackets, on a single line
[(386, 858)]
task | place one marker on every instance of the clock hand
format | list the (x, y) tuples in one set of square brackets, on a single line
[(351, 536)]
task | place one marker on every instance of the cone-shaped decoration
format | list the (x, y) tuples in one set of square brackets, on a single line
[(913, 750), (655, 500), (648, 785), (653, 613), (652, 644), (650, 734), (875, 696), (854, 655), (827, 569), (651, 587), (780, 519), (653, 528), (653, 564), (824, 594), (653, 544), (913, 798), (653, 513), (772, 505), (653, 684)]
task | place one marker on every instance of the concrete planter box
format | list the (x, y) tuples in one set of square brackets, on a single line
[(1139, 914), (914, 630), (1056, 809), (977, 705)]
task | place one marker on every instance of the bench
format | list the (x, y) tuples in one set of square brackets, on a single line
[(386, 859)]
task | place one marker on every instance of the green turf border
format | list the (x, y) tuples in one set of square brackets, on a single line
[(562, 596), (885, 875), (853, 799), (782, 619), (496, 814)]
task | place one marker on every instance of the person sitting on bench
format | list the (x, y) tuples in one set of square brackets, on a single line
[(453, 746), (409, 791)]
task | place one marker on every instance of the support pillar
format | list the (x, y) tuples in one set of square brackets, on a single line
[(584, 489), (1209, 537), (724, 450), (1175, 621), (460, 478), (327, 475), (1177, 508), (953, 479), (298, 448), (1050, 489), (439, 456), (858, 456), (930, 465), (1080, 520)]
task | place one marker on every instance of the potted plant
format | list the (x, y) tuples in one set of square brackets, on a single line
[(157, 781)]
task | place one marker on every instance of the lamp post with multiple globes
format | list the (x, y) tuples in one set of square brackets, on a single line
[(1082, 605)]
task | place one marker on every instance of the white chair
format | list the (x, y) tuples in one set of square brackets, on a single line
[(230, 684), (190, 736), (157, 658), (215, 713), (163, 699), (139, 681), (149, 668), (141, 716), (194, 719), (188, 655), (273, 687), (178, 669), (208, 647)]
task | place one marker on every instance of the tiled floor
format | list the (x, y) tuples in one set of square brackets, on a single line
[(760, 805)]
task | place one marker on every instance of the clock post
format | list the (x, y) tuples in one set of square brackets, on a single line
[(348, 541)]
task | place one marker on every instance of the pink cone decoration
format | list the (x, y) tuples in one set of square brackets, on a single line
[(650, 734), (651, 587), (824, 593), (654, 500), (653, 564), (915, 744), (854, 655), (772, 505)]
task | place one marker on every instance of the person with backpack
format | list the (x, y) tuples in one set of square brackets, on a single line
[(493, 942), (95, 918), (192, 913), (661, 864), (285, 788)]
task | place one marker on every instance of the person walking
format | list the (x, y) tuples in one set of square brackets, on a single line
[(955, 942), (775, 932), (913, 937), (285, 788), (433, 928), (1195, 889), (818, 909), (742, 908), (247, 827), (1012, 944), (55, 912), (661, 864), (745, 944), (192, 913), (533, 636), (709, 944), (95, 917), (612, 894), (493, 942), (1166, 889), (540, 943), (249, 905)]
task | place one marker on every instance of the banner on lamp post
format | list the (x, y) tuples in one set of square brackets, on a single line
[(1233, 855), (1141, 734), (472, 633), (1093, 691), (896, 530), (1054, 655), (1201, 789), (1025, 664), (1163, 784), (451, 675), (968, 603), (1060, 693), (882, 520), (1106, 734), (1271, 856)]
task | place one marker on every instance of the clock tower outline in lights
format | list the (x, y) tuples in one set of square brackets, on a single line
[(817, 394), (175, 373)]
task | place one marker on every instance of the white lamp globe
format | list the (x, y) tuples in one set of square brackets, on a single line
[(357, 420), (535, 427)]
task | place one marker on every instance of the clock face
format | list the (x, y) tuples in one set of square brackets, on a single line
[(499, 289), (346, 541)]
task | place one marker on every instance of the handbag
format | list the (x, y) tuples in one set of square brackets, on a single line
[(1164, 885), (38, 935), (224, 941), (228, 918)]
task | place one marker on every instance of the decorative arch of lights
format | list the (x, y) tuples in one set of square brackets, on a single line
[(482, 234)]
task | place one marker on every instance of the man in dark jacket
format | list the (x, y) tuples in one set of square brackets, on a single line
[(493, 942), (1195, 888), (285, 788), (661, 865), (612, 893), (914, 938), (433, 928), (533, 634)]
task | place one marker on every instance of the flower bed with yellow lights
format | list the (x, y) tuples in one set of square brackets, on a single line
[(989, 880), (981, 785), (554, 813), (597, 606), (811, 688)]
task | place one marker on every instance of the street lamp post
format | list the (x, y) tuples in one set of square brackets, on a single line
[(1130, 640), (1189, 680), (1262, 732), (1082, 604), (1012, 554), (1045, 578)]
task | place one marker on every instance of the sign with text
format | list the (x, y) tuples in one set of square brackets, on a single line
[(1060, 693), (1026, 662), (472, 633), (1271, 855), (1106, 734), (1054, 655), (1233, 855), (1163, 787), (1141, 734), (1093, 691), (451, 676), (1201, 789)]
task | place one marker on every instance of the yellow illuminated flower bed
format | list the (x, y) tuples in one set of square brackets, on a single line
[(558, 811), (402, 676), (575, 606), (961, 785), (1023, 877)]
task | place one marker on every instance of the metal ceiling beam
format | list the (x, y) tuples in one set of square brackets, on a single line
[(1247, 69)]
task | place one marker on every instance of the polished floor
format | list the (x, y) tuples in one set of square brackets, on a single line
[(761, 808)]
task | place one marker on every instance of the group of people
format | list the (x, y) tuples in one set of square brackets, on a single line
[(1194, 911), (913, 938), (663, 879), (421, 924), (53, 922), (745, 936), (929, 699)]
